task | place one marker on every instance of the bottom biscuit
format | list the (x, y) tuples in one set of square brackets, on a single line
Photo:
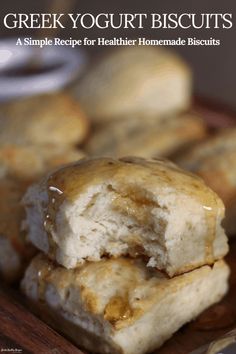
[(120, 306)]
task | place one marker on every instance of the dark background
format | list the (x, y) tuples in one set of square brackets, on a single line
[(214, 67)]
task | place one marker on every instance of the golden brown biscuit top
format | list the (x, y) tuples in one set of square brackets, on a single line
[(130, 175)]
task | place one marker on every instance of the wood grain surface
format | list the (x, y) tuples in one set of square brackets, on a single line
[(22, 332)]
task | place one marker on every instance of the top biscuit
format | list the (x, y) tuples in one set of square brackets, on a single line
[(130, 206)]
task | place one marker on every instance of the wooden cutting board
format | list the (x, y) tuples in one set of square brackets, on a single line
[(22, 332)]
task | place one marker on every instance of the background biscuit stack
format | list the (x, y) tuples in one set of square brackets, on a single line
[(139, 103), (105, 227), (36, 135)]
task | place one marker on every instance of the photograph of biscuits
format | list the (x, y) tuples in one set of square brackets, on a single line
[(117, 177), (126, 207)]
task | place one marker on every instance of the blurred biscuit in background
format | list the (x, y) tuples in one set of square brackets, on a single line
[(31, 161), (46, 119), (14, 250), (132, 80), (215, 161), (145, 136), (19, 167)]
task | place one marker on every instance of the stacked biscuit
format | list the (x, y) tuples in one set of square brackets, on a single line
[(36, 135), (131, 249), (139, 101)]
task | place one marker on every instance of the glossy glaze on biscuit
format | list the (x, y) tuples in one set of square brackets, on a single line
[(148, 198)]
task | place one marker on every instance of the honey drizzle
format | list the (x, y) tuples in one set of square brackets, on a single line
[(55, 195), (42, 274), (211, 219), (117, 309)]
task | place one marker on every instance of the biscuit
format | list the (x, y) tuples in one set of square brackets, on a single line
[(130, 80), (119, 306), (47, 119), (32, 161), (128, 206), (146, 137), (19, 167), (215, 161)]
